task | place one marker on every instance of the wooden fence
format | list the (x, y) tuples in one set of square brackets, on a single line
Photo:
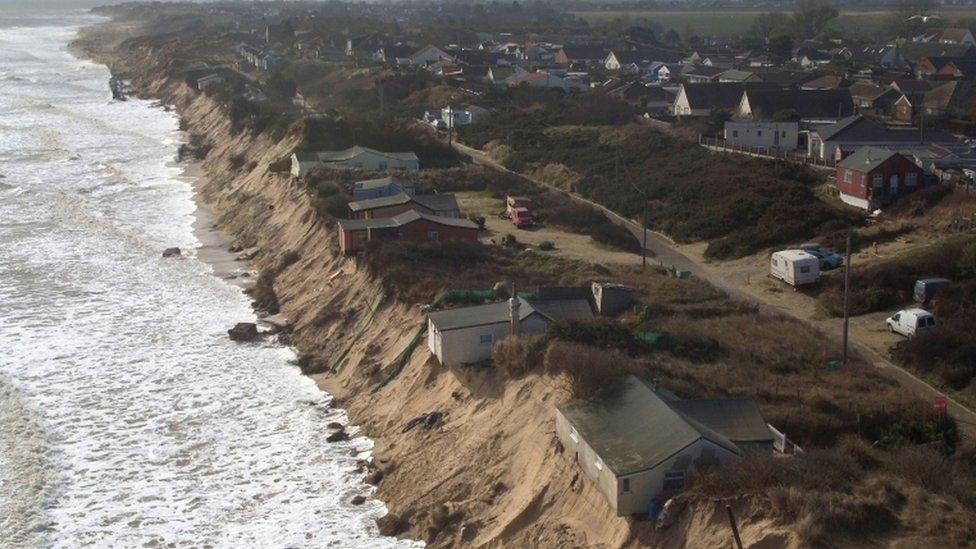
[(771, 153)]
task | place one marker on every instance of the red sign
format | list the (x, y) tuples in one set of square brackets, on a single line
[(940, 403)]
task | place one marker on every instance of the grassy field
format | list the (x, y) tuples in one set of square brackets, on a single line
[(728, 22)]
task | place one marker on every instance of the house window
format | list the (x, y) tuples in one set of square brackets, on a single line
[(735, 133), (804, 269), (848, 176), (486, 339), (911, 178), (784, 133), (758, 133), (674, 481), (876, 180), (626, 486), (432, 236)]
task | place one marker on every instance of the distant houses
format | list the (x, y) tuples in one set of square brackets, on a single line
[(353, 158), (638, 444)]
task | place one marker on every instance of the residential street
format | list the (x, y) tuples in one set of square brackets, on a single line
[(663, 251)]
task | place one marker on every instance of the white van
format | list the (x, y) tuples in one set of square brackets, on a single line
[(910, 322), (795, 267)]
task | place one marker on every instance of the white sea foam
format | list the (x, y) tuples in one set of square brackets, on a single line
[(126, 416)]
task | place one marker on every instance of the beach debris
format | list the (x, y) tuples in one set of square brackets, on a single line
[(428, 420), (277, 323), (248, 253), (172, 252), (338, 436), (358, 500), (335, 425), (243, 331)]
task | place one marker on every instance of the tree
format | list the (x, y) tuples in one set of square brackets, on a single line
[(780, 48), (786, 115), (672, 38), (812, 17), (768, 24), (717, 119)]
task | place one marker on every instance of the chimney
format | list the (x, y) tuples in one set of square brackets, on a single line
[(513, 312)]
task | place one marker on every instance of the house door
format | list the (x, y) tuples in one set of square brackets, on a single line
[(894, 184)]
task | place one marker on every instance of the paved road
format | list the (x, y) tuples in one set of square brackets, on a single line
[(662, 250)]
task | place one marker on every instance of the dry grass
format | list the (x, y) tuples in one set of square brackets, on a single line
[(587, 369)]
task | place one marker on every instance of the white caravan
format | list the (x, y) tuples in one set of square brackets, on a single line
[(795, 267)]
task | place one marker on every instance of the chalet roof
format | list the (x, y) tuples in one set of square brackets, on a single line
[(825, 82), (353, 152), (965, 65), (916, 51), (382, 183), (940, 96), (951, 34), (402, 219), (859, 129), (587, 52), (433, 202), (632, 428), (564, 309), (720, 95), (477, 315), (738, 419), (785, 78), (705, 71), (866, 90), (866, 159), (736, 75), (910, 85), (810, 104)]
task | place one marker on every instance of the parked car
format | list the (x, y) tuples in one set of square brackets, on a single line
[(910, 322), (829, 259), (925, 288)]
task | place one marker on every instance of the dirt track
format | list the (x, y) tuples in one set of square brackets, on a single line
[(746, 280)]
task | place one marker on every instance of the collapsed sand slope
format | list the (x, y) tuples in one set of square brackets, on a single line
[(491, 474)]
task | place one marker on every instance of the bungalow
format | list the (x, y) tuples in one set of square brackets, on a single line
[(353, 158), (462, 116), (545, 80), (772, 135), (811, 57), (410, 225), (638, 443), (702, 99), (465, 335), (873, 177), (209, 80), (443, 205), (427, 56), (913, 52), (873, 100), (702, 74), (385, 186), (581, 54), (811, 105), (739, 76), (857, 131), (947, 36)]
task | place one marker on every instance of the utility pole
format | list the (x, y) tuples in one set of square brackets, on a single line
[(847, 287), (616, 172), (735, 528)]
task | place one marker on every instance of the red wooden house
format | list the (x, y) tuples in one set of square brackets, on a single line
[(410, 225), (872, 177)]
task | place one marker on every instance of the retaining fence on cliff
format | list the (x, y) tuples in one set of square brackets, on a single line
[(771, 153)]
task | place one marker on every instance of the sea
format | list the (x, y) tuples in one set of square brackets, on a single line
[(127, 417)]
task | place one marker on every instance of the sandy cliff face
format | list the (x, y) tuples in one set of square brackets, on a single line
[(491, 473)]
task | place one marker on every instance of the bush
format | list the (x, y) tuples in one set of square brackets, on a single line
[(237, 161), (588, 369), (547, 245), (602, 333)]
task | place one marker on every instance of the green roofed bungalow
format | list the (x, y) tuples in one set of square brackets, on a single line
[(638, 443)]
